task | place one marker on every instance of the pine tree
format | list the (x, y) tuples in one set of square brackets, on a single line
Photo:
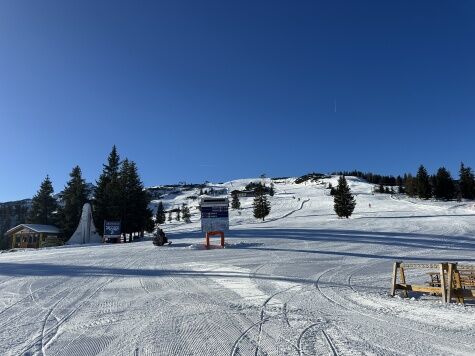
[(108, 195), (344, 202), (381, 188), (235, 203), (444, 187), (178, 217), (73, 198), (466, 182), (135, 214), (261, 205), (410, 185), (160, 215), (43, 205), (185, 213), (170, 216), (424, 189), (271, 190)]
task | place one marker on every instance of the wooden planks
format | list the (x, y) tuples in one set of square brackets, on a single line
[(451, 281)]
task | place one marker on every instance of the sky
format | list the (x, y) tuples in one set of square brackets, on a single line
[(217, 90)]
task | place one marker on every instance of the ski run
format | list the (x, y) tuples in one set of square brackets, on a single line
[(303, 282)]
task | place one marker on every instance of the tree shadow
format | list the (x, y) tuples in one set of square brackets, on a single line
[(411, 240)]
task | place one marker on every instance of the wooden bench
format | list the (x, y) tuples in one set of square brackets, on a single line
[(449, 280)]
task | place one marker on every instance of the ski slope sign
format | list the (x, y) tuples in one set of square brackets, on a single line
[(214, 214)]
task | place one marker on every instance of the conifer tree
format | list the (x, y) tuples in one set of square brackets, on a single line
[(43, 205), (107, 195), (160, 216), (73, 198), (185, 213), (424, 189), (170, 216), (466, 182), (135, 214), (178, 217), (235, 203), (261, 206), (344, 202), (410, 185), (271, 190), (444, 187)]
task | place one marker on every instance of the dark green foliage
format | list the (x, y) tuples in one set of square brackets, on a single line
[(73, 198), (344, 202), (444, 187), (381, 188), (410, 185), (235, 203), (312, 177), (11, 214), (135, 214), (272, 190), (258, 188), (185, 213), (466, 182), (170, 216), (160, 215), (370, 177), (107, 196), (120, 195), (178, 217), (261, 206), (423, 186), (43, 205)]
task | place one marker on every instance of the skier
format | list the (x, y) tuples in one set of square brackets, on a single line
[(369, 205)]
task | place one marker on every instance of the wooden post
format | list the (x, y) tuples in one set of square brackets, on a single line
[(403, 280), (458, 285), (394, 278), (450, 282), (443, 286)]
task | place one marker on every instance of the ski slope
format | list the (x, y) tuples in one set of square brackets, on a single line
[(301, 283)]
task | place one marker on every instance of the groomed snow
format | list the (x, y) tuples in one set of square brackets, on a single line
[(301, 283)]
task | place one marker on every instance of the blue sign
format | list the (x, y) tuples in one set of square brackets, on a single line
[(112, 229)]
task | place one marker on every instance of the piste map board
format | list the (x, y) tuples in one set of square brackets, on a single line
[(112, 229), (214, 214)]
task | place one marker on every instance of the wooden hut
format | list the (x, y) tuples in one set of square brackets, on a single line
[(33, 236)]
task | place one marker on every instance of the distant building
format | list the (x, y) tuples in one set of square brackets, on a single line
[(33, 236), (244, 193)]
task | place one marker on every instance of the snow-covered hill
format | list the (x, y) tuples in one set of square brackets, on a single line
[(303, 282)]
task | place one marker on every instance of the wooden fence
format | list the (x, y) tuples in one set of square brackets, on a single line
[(449, 280)]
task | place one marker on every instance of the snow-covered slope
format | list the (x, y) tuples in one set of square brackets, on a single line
[(301, 283)]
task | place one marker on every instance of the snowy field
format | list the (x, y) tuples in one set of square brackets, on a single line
[(302, 283)]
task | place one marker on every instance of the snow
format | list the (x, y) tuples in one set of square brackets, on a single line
[(301, 283)]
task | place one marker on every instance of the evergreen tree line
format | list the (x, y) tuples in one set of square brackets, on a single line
[(441, 185), (11, 214), (372, 177), (119, 196), (181, 214)]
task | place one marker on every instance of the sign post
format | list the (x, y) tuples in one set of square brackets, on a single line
[(214, 217), (112, 231)]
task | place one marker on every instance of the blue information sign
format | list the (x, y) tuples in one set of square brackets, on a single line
[(112, 229)]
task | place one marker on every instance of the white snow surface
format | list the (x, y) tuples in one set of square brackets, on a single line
[(303, 282)]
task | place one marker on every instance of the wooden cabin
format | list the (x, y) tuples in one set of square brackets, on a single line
[(33, 236)]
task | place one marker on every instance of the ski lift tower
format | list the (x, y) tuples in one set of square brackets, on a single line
[(214, 217)]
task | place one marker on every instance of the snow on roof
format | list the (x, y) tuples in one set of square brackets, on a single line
[(39, 228)]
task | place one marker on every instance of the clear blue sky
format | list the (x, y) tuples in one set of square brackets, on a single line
[(216, 90)]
